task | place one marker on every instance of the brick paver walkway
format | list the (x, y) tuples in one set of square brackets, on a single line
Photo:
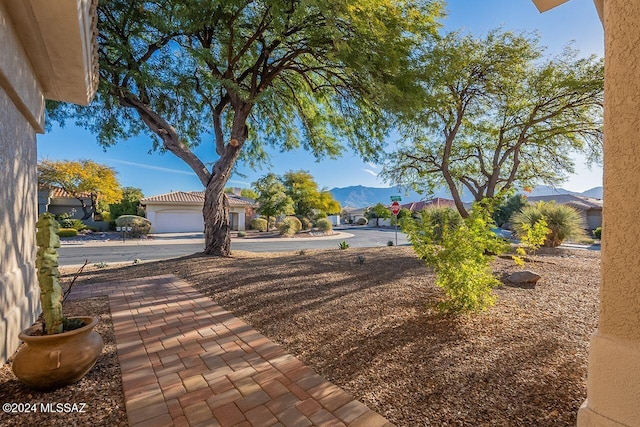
[(187, 362)]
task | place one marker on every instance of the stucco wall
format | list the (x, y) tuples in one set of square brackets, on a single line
[(19, 302)]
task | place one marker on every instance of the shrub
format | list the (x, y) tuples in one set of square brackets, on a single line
[(439, 221), (362, 221), (139, 226), (507, 208), (460, 258), (67, 232), (389, 242), (72, 223), (597, 233), (259, 224), (343, 245), (242, 234), (324, 225), (289, 226), (306, 222), (564, 222)]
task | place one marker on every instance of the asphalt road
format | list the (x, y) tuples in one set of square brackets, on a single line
[(117, 252)]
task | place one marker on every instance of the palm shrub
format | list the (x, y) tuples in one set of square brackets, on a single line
[(563, 222), (460, 254), (324, 225)]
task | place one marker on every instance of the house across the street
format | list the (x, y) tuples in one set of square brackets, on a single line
[(181, 212), (588, 207)]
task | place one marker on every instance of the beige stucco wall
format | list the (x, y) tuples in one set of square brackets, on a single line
[(613, 382), (21, 107)]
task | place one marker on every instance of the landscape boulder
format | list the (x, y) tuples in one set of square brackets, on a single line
[(524, 278)]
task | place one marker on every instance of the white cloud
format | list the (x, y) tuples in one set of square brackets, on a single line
[(157, 168), (371, 172), (373, 165)]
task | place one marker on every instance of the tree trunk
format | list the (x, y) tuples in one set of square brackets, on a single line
[(217, 240)]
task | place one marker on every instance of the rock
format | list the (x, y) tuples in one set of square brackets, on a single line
[(524, 278)]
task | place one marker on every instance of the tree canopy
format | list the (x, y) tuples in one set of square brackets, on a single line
[(307, 198), (245, 75), (81, 179), (272, 197), (496, 114), (129, 204)]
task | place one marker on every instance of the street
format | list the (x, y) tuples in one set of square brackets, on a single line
[(117, 252)]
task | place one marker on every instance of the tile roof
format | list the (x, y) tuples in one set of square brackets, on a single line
[(59, 192), (578, 202), (193, 197)]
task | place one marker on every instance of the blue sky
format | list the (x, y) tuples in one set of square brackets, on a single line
[(574, 22)]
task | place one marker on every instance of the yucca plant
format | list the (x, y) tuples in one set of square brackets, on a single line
[(563, 222)]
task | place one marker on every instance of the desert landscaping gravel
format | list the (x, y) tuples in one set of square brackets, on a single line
[(365, 319)]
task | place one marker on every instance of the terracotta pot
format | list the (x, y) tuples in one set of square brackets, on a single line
[(52, 361)]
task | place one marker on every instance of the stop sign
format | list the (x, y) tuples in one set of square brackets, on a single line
[(395, 208)]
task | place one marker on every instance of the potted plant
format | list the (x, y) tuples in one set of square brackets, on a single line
[(63, 350)]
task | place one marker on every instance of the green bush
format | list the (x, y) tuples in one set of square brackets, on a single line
[(505, 210), (259, 224), (460, 258), (289, 226), (306, 222), (597, 233), (343, 245), (72, 223), (440, 220), (242, 234), (324, 225), (67, 232), (362, 221), (564, 222), (139, 226)]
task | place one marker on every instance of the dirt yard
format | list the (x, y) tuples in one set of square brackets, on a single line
[(364, 319)]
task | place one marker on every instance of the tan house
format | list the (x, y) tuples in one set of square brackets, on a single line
[(180, 212), (589, 208), (48, 51), (613, 380), (437, 202)]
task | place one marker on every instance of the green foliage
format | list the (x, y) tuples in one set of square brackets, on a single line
[(74, 223), (533, 236), (597, 233), (324, 225), (101, 264), (128, 205), (48, 240), (505, 210), (249, 193), (343, 245), (362, 221), (242, 234), (389, 242), (259, 224), (308, 199), (84, 179), (563, 222), (67, 232), (306, 222), (460, 258), (440, 220), (139, 226), (496, 115), (378, 211), (255, 75), (289, 226), (272, 197)]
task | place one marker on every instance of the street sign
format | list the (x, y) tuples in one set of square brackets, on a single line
[(395, 207), (396, 198)]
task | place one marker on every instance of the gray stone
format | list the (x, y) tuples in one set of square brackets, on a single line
[(524, 278)]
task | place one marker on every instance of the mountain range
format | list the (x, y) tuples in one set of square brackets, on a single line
[(358, 196)]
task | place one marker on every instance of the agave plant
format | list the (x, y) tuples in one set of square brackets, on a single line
[(563, 222)]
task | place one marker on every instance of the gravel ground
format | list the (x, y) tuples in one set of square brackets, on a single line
[(364, 319)]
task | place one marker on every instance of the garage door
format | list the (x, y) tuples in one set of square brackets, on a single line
[(178, 222)]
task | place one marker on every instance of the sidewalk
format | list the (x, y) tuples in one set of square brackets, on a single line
[(185, 361)]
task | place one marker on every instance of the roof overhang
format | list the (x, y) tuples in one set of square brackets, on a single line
[(59, 37), (544, 5)]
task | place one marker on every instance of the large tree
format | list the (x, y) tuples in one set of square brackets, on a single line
[(495, 115), (272, 198), (248, 74), (81, 179), (129, 204), (308, 198)]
